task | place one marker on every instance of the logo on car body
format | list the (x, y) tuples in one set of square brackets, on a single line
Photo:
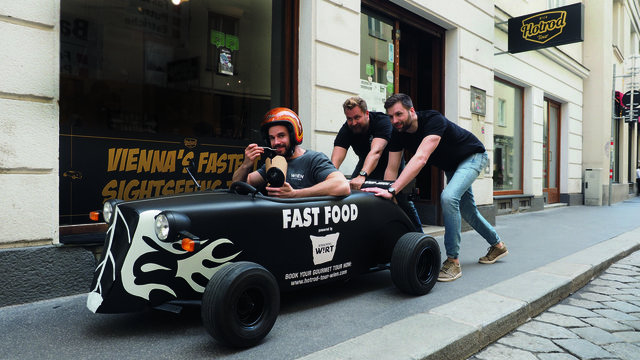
[(324, 247)]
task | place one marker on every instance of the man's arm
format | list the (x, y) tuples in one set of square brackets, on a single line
[(393, 166), (370, 162), (417, 162), (338, 155), (244, 172), (335, 184)]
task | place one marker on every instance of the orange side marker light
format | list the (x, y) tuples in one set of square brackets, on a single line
[(188, 245)]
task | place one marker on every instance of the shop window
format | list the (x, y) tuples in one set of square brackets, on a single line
[(376, 60), (147, 86), (502, 108), (202, 68), (507, 138), (377, 28)]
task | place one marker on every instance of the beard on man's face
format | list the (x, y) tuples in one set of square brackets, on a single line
[(283, 150), (357, 129)]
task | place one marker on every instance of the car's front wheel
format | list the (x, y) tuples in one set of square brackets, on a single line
[(415, 263), (240, 304)]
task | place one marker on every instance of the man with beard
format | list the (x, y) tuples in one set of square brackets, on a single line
[(309, 173), (368, 133), (439, 142)]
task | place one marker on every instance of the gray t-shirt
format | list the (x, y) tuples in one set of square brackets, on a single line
[(305, 171)]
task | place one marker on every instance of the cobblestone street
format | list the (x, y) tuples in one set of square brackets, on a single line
[(600, 321)]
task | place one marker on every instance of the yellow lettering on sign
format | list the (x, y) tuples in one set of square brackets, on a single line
[(145, 161), (222, 164), (107, 192), (235, 160), (543, 30), (114, 157), (158, 161), (132, 160)]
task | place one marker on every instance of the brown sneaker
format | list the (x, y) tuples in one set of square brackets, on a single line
[(494, 253), (450, 271)]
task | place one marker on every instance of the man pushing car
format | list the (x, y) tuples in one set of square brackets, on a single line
[(438, 141)]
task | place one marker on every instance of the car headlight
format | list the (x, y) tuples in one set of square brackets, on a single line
[(169, 224), (108, 209), (162, 227)]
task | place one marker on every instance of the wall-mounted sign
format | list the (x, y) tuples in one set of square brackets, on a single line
[(132, 166), (626, 99), (218, 38), (624, 106), (554, 27), (225, 66), (478, 101)]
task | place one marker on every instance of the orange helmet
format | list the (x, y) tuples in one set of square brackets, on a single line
[(285, 117)]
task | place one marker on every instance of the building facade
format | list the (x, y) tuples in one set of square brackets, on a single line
[(112, 98)]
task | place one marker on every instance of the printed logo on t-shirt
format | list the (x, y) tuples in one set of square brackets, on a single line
[(297, 177)]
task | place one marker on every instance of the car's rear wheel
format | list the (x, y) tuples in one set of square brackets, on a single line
[(240, 304), (415, 263)]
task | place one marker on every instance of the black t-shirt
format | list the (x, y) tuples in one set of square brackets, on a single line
[(306, 170), (456, 143), (379, 127)]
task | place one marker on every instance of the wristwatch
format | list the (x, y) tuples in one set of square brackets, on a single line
[(391, 191), (363, 173)]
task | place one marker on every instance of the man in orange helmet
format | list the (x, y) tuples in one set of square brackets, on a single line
[(309, 173)]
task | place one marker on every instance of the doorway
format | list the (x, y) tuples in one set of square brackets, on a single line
[(404, 53), (551, 151)]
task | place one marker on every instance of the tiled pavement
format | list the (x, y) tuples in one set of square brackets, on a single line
[(599, 321)]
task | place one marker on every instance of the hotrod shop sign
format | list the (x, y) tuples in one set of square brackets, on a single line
[(559, 26), (95, 167)]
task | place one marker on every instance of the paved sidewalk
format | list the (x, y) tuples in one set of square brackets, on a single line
[(465, 326), (600, 321)]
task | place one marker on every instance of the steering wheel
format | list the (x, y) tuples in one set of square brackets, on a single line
[(244, 187)]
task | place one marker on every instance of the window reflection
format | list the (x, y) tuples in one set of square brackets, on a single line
[(201, 68), (507, 139), (376, 59)]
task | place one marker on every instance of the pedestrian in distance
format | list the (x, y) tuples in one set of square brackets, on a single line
[(435, 140), (638, 180), (308, 173), (368, 133)]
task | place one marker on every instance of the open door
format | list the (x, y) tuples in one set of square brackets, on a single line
[(551, 151), (404, 53)]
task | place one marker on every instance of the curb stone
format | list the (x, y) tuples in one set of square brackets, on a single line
[(459, 329)]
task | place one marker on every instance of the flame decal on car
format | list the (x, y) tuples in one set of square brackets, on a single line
[(94, 300), (146, 268)]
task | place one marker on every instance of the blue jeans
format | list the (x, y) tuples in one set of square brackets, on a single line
[(409, 209), (458, 203)]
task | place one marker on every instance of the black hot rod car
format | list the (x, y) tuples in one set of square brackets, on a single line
[(234, 251)]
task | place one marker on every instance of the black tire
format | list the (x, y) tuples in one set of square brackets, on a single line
[(240, 304), (415, 263)]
